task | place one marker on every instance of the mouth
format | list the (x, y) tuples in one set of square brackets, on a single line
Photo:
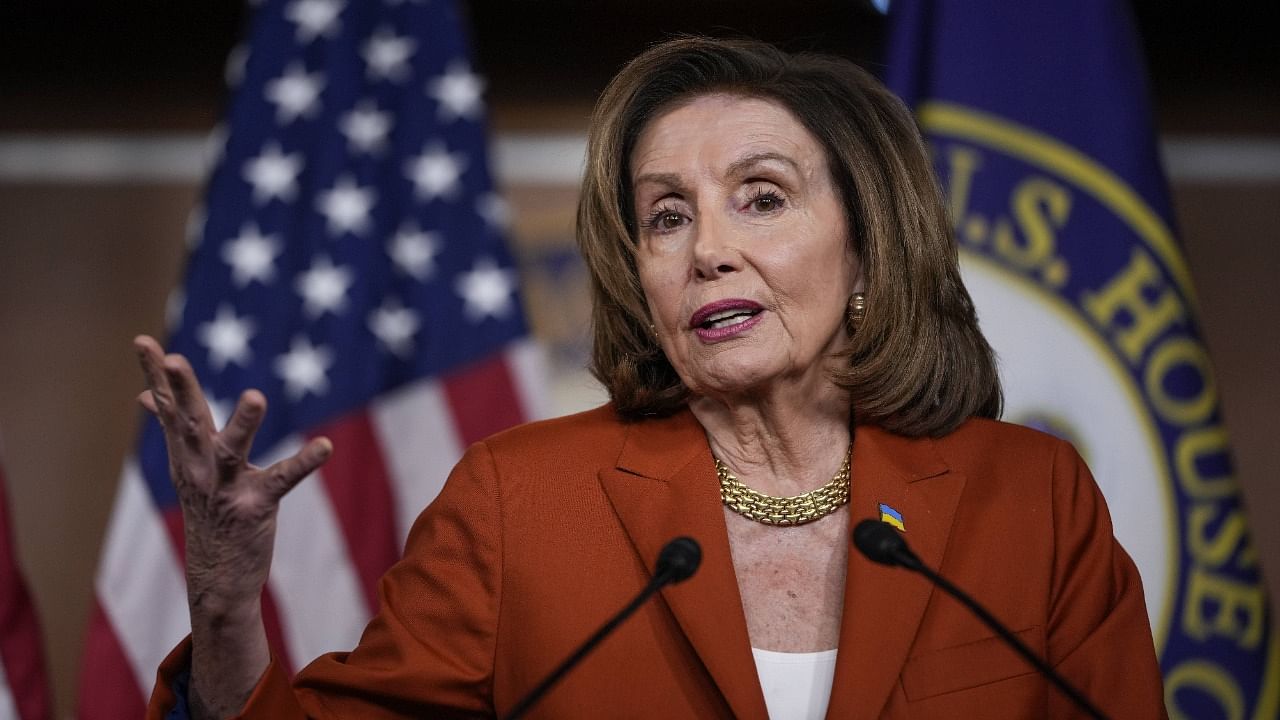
[(724, 314)]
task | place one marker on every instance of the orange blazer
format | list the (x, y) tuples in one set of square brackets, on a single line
[(545, 531)]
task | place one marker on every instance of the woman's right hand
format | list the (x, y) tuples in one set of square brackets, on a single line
[(229, 511)]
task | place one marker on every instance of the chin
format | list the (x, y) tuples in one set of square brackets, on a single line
[(734, 381)]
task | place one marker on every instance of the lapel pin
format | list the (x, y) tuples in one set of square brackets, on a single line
[(891, 516)]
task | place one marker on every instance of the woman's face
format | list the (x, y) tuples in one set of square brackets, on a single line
[(743, 252)]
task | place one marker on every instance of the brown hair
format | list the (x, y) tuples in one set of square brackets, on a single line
[(918, 364)]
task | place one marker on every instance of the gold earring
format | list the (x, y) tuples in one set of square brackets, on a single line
[(857, 310)]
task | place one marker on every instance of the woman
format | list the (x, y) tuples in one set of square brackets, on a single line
[(778, 313)]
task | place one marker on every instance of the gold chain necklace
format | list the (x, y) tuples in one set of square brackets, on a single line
[(794, 510)]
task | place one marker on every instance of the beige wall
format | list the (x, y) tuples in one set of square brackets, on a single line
[(1233, 250), (83, 268)]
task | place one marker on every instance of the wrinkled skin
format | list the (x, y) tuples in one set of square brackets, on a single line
[(229, 509)]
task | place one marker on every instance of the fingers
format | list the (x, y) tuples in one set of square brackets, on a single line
[(237, 436), (282, 476), (151, 358), (189, 401), (148, 401), (174, 396)]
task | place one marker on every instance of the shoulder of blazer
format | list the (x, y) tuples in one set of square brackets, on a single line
[(596, 424), (595, 438), (990, 447)]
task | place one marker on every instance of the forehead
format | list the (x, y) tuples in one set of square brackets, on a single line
[(718, 129)]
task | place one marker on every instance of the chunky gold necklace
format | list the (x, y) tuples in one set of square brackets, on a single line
[(794, 510)]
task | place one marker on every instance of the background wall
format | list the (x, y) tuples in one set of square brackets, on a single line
[(87, 261)]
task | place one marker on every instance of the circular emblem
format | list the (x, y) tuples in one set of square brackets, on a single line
[(1083, 293)]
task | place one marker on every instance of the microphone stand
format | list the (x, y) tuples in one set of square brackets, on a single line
[(678, 560), (879, 542), (987, 618)]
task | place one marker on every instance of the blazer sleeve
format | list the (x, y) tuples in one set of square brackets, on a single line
[(1099, 636), (169, 698), (429, 651)]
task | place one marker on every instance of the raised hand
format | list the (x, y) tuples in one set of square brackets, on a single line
[(229, 509)]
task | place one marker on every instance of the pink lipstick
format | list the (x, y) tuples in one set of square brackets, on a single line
[(724, 319)]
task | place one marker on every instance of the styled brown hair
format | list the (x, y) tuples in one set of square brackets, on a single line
[(917, 364)]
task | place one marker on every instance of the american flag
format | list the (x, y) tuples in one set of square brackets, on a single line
[(350, 264), (24, 689)]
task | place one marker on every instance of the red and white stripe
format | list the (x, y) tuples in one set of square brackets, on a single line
[(337, 532), (24, 688)]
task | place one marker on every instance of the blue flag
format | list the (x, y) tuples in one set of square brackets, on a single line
[(1038, 118)]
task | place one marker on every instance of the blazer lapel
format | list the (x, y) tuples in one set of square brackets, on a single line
[(664, 486), (883, 605)]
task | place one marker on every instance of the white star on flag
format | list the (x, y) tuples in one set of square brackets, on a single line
[(395, 325), (486, 290), (366, 127), (494, 210), (458, 91), (314, 18), (227, 338), (252, 256), (295, 93), (273, 174), (414, 251), (324, 287), (346, 206), (304, 369), (436, 172), (386, 55)]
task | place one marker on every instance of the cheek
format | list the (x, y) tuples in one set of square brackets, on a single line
[(821, 281), (842, 269), (807, 274), (658, 296)]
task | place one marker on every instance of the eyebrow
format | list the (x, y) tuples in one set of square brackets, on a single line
[(737, 167), (668, 180), (742, 165)]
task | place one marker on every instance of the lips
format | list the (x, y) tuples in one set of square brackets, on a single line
[(725, 318)]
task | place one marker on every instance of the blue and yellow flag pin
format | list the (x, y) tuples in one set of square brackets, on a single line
[(891, 516)]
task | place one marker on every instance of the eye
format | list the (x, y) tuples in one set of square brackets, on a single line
[(765, 201), (664, 219)]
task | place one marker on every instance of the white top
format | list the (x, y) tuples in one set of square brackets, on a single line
[(797, 686)]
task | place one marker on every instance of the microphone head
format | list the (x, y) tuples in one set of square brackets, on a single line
[(879, 542), (679, 559)]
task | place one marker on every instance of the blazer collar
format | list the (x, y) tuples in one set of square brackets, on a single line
[(664, 485), (883, 606)]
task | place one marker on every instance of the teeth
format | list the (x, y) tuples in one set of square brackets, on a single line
[(727, 322), (717, 317), (727, 318)]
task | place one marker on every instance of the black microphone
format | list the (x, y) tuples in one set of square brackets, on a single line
[(881, 543), (677, 562)]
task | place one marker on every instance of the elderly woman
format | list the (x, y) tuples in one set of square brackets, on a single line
[(782, 328)]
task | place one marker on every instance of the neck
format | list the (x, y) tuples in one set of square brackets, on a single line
[(783, 443)]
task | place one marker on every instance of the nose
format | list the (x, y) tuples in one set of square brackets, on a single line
[(715, 251)]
